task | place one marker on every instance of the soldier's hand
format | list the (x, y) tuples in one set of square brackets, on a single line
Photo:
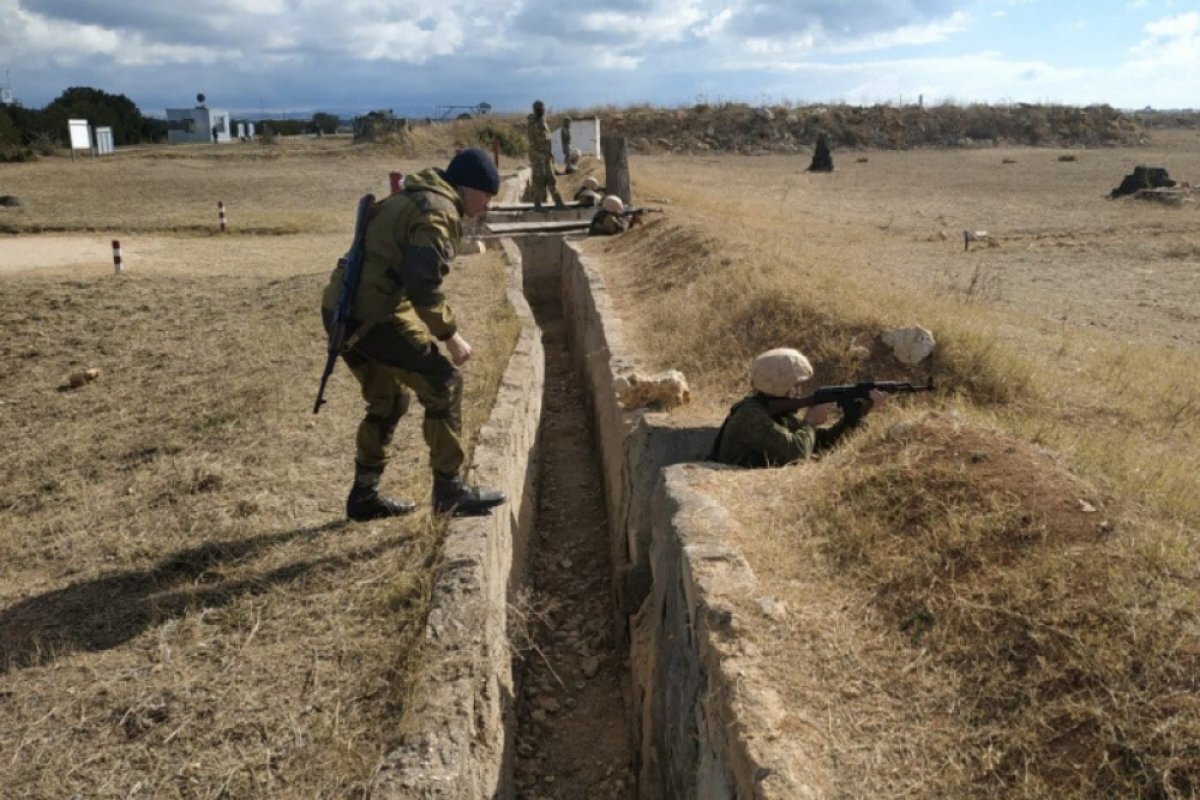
[(819, 415), (460, 351)]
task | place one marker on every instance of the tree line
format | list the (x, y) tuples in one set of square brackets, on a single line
[(27, 131)]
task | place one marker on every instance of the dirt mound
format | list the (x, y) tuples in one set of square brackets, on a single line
[(967, 619), (743, 128), (1073, 661)]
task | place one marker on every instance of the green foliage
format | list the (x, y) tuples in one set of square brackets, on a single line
[(287, 127), (99, 108), (483, 132), (10, 134), (326, 123)]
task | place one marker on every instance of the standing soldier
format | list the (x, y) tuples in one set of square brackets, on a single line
[(411, 239), (565, 135), (540, 158)]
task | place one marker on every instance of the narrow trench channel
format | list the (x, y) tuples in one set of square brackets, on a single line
[(572, 741)]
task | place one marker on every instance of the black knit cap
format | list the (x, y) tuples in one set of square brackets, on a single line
[(473, 168)]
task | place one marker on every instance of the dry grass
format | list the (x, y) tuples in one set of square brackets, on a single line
[(958, 626), (182, 611)]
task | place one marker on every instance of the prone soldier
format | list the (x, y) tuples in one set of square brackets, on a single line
[(759, 432)]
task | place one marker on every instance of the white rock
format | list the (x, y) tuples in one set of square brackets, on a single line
[(666, 390), (910, 345)]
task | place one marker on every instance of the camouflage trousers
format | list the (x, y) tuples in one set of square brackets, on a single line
[(543, 179), (391, 365)]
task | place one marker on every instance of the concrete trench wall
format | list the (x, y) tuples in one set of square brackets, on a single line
[(695, 731)]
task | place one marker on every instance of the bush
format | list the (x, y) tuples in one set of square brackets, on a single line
[(15, 154), (483, 132)]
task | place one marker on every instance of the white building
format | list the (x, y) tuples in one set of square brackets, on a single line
[(200, 124)]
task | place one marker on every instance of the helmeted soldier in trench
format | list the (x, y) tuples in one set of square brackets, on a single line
[(540, 158), (400, 317), (609, 220), (590, 193), (752, 436)]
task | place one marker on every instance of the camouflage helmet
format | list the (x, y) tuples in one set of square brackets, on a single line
[(776, 372), (612, 204), (591, 183)]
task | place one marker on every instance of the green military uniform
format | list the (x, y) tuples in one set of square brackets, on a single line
[(398, 307), (752, 437), (605, 223), (542, 160)]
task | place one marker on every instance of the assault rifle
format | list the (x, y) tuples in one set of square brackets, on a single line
[(637, 212), (351, 265), (843, 395)]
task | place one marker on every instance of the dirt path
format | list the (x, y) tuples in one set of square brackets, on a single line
[(19, 253), (571, 740)]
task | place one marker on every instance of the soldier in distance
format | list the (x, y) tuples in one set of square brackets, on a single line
[(400, 317), (590, 193), (541, 158)]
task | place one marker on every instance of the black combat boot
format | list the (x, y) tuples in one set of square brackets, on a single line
[(365, 503), (452, 496)]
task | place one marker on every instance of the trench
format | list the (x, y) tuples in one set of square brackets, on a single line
[(571, 738)]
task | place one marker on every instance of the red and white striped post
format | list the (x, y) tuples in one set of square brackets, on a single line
[(117, 265), (221, 216), (396, 181), (496, 152)]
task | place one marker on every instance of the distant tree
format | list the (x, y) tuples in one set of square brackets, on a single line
[(325, 123), (10, 134), (99, 108)]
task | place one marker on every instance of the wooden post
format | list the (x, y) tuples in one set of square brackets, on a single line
[(616, 167)]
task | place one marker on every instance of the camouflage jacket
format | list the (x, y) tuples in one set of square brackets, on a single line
[(606, 224), (427, 215), (538, 132), (751, 437)]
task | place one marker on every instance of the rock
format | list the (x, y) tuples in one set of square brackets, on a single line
[(666, 390), (910, 345), (1142, 177), (765, 114), (822, 160), (80, 377), (774, 609), (590, 666), (548, 704)]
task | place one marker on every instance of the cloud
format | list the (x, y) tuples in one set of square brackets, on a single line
[(358, 54)]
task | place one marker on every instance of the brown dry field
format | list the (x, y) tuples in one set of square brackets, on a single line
[(997, 598), (183, 611)]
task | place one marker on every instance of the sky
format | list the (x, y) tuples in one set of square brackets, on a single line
[(351, 56)]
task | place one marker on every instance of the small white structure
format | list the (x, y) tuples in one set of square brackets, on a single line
[(81, 134), (585, 137), (104, 141), (200, 124), (6, 97)]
